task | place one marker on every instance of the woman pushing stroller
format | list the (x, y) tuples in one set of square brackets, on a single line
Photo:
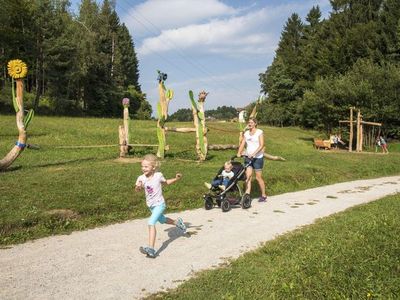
[(253, 140)]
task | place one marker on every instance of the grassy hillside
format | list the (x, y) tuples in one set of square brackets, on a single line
[(55, 190)]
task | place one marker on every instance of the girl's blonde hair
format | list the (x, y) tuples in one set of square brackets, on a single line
[(153, 160)]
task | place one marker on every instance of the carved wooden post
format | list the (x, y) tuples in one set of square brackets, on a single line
[(123, 131), (358, 131), (351, 130), (202, 118), (242, 124), (162, 113), (199, 124), (125, 103), (17, 70)]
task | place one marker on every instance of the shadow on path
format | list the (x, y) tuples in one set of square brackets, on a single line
[(175, 233)]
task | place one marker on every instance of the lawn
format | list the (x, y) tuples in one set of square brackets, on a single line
[(56, 190)]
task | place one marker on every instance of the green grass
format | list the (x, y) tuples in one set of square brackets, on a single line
[(97, 190), (351, 255)]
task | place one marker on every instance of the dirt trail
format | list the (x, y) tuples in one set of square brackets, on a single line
[(104, 263)]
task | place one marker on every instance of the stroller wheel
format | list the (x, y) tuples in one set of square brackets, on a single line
[(208, 204), (219, 200), (225, 205), (245, 201)]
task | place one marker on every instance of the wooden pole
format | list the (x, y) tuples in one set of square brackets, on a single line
[(351, 130), (123, 147), (126, 124), (196, 127), (202, 98), (163, 113), (358, 130)]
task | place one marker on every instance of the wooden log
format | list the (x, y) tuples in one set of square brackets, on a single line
[(85, 146), (182, 129), (22, 137), (273, 157), (222, 147), (362, 122), (143, 145)]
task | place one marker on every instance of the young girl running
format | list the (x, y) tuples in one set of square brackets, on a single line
[(151, 181)]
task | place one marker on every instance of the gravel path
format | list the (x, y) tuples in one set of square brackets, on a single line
[(104, 263)]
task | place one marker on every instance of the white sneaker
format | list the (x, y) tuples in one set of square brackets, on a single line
[(208, 185), (222, 187), (181, 225)]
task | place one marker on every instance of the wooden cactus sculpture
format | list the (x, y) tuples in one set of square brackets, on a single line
[(242, 124), (166, 96), (200, 124), (124, 130), (17, 69)]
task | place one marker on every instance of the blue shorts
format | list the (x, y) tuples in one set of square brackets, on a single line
[(157, 214), (257, 164)]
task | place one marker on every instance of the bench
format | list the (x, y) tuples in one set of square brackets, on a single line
[(322, 144)]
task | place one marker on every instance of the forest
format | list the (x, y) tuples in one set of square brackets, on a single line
[(323, 67), (83, 63), (80, 63)]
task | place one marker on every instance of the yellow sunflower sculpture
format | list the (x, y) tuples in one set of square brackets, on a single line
[(17, 68)]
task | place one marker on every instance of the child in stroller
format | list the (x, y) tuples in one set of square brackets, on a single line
[(223, 178), (232, 193)]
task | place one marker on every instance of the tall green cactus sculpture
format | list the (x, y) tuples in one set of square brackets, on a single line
[(199, 123), (166, 96)]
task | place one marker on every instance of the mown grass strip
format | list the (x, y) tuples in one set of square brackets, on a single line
[(351, 255)]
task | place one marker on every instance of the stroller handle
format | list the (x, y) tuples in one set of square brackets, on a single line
[(243, 156)]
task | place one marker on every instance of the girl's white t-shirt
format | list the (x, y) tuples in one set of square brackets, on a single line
[(253, 142), (153, 188)]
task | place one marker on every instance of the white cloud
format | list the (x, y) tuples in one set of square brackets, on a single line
[(255, 32), (231, 36), (152, 16)]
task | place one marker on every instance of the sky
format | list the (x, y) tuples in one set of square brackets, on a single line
[(219, 46)]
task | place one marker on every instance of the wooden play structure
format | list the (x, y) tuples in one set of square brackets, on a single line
[(17, 70), (363, 137)]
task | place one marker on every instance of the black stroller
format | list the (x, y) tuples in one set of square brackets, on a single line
[(233, 193)]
